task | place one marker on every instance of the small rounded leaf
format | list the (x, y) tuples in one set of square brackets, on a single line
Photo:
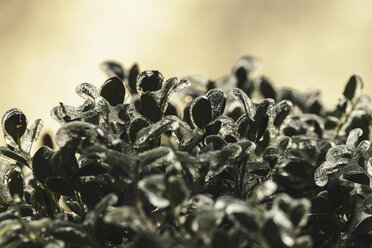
[(353, 87), (113, 69), (14, 124), (201, 112), (113, 91), (266, 88), (42, 164), (15, 182), (150, 107), (132, 78), (149, 81)]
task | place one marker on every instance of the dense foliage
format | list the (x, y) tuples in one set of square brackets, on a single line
[(233, 162)]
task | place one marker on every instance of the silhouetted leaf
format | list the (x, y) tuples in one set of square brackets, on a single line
[(113, 91), (353, 87), (201, 112), (42, 164)]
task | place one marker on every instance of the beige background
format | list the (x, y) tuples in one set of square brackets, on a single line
[(48, 47)]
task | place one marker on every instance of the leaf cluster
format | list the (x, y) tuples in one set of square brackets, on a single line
[(191, 162)]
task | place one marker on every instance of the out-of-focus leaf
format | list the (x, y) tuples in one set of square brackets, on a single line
[(60, 186)]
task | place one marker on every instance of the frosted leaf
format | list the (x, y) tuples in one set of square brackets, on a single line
[(155, 130), (341, 154), (283, 142), (265, 189), (126, 216), (172, 86), (14, 124), (282, 110), (31, 135), (217, 99), (353, 136), (64, 113), (74, 132), (157, 156), (240, 96), (219, 160), (227, 126), (321, 173), (113, 69), (149, 81), (87, 91), (284, 225), (187, 138), (201, 202), (104, 108), (154, 188)]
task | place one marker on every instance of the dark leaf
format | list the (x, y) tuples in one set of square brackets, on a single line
[(149, 81), (90, 167), (282, 109), (11, 156), (136, 125), (71, 234), (14, 124), (201, 112), (266, 88), (15, 182), (353, 87), (217, 99), (60, 186), (42, 164), (92, 192), (132, 78), (176, 191), (150, 107), (113, 91), (357, 177), (113, 69)]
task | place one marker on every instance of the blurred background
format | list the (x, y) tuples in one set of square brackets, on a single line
[(47, 48)]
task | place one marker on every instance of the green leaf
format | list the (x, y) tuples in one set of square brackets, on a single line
[(42, 164), (60, 186), (113, 91), (201, 112), (14, 124), (353, 87)]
